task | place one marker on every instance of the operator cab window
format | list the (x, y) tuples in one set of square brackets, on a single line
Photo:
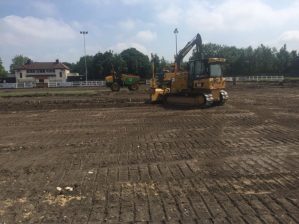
[(215, 70), (197, 69)]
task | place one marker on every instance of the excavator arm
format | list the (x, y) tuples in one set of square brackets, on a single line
[(182, 53)]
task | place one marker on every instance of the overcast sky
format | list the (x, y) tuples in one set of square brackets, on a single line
[(48, 29)]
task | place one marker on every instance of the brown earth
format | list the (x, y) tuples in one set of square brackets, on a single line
[(112, 158)]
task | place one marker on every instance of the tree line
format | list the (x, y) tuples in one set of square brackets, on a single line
[(239, 61), (129, 61), (3, 72), (259, 61)]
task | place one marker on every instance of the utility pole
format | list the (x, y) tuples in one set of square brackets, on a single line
[(84, 33)]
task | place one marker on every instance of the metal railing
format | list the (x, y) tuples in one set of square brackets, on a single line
[(263, 78), (8, 85), (77, 84), (16, 85), (89, 83), (23, 85), (103, 83), (59, 84)]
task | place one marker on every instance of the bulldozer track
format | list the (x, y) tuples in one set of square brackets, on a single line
[(148, 164)]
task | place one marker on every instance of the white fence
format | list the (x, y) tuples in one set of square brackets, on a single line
[(8, 85), (16, 85), (53, 84), (263, 78), (103, 83), (77, 84)]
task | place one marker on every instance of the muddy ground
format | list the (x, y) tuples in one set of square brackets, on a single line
[(112, 158)]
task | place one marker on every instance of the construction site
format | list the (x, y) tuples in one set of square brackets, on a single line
[(111, 157), (120, 112)]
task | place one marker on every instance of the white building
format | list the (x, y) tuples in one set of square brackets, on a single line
[(42, 73)]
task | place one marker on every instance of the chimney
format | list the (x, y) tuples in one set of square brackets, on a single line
[(57, 61)]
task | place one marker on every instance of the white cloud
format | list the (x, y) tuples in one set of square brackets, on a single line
[(227, 15), (106, 2), (171, 15), (97, 2), (41, 39), (19, 30), (45, 8), (145, 25), (132, 2), (146, 36), (290, 38), (77, 25), (26, 28), (292, 35), (128, 24)]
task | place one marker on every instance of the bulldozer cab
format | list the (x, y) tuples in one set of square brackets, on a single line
[(205, 68)]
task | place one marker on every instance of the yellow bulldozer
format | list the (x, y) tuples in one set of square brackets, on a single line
[(202, 84)]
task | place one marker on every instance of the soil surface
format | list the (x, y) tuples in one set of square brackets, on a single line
[(110, 157)]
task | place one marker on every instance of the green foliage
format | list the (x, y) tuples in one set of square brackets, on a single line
[(80, 66), (240, 61), (72, 66), (3, 73), (249, 61), (101, 64), (160, 64), (18, 61), (293, 69), (137, 63), (104, 63)]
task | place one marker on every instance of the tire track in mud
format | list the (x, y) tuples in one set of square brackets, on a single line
[(231, 164)]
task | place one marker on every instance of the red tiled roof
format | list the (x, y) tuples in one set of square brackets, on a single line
[(43, 65)]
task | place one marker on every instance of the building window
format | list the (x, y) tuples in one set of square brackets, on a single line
[(40, 71), (60, 74), (21, 75)]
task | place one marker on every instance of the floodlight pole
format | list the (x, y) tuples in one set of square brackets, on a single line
[(84, 33), (176, 41)]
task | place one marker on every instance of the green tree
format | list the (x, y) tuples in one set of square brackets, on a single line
[(18, 61), (160, 64), (72, 66), (156, 60), (3, 73), (80, 66), (249, 61), (283, 59), (163, 63), (103, 64), (210, 50), (137, 62), (239, 61), (293, 69)]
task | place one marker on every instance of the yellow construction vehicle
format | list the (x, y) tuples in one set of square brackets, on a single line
[(201, 85), (114, 81)]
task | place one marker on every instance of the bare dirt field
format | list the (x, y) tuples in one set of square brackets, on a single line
[(109, 157)]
